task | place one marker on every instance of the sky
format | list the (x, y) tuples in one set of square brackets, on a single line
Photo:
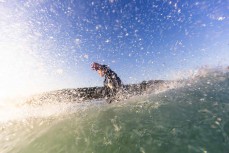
[(50, 44)]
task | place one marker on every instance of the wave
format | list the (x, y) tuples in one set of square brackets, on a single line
[(71, 100), (190, 116)]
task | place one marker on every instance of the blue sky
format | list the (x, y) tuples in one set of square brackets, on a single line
[(139, 39)]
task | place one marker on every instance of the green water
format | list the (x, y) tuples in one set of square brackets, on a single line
[(190, 119)]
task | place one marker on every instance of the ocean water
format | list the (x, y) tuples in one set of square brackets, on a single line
[(192, 118)]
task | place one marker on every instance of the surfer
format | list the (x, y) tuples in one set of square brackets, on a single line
[(112, 83)]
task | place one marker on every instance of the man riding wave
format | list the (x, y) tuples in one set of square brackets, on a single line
[(112, 83)]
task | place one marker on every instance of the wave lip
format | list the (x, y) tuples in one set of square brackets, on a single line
[(86, 94)]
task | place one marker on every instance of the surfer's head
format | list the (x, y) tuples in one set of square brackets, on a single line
[(95, 66), (101, 69)]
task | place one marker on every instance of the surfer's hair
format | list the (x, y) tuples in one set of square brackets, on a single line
[(104, 67)]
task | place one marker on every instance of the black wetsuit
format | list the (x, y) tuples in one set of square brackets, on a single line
[(112, 83)]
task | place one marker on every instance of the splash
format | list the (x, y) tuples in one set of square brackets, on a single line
[(25, 66)]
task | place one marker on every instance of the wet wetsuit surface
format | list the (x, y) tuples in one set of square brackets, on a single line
[(112, 82)]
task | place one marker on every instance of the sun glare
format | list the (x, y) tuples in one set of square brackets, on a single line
[(26, 62), (15, 70), (20, 68)]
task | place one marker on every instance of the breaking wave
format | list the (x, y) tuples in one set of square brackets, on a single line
[(189, 116)]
